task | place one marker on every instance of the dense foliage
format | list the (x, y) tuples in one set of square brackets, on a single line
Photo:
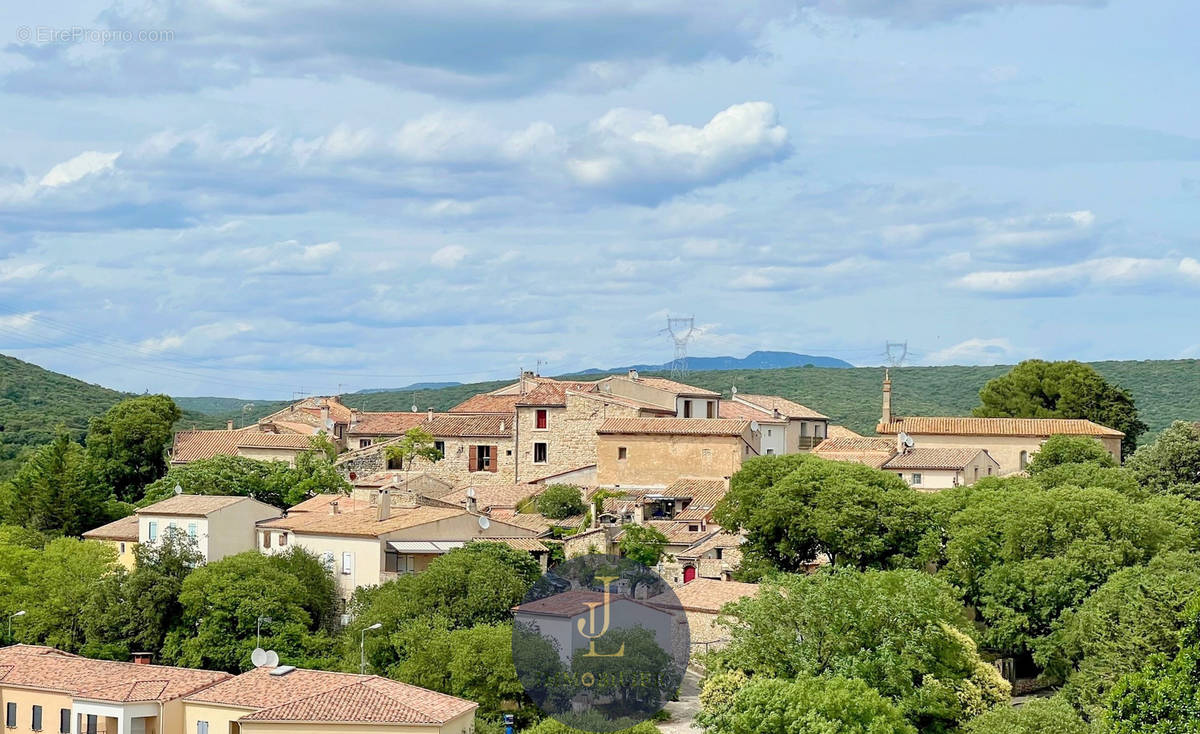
[(560, 501), (128, 443), (804, 704), (642, 543), (1039, 389)]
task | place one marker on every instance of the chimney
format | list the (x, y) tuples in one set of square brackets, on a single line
[(143, 658), (776, 413), (355, 415), (472, 504), (406, 498), (324, 411), (229, 425), (633, 375), (333, 507), (887, 396), (385, 505), (502, 425), (429, 414)]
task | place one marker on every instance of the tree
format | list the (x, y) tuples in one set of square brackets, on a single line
[(1134, 615), (58, 589), (136, 610), (1058, 450), (266, 481), (1040, 389), (479, 583), (314, 473), (1024, 555), (902, 633), (1171, 463), (128, 443), (805, 704), (222, 603), (55, 491), (642, 543), (1164, 696), (793, 508), (475, 663), (1038, 716), (559, 501), (417, 443)]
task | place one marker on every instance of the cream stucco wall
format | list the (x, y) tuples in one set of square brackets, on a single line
[(162, 522), (231, 530), (124, 550), (270, 454), (463, 724), (656, 461), (221, 719), (1006, 450), (26, 699)]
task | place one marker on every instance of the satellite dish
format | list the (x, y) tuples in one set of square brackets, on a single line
[(754, 426), (178, 489), (471, 492), (258, 657), (272, 659), (329, 423), (905, 439), (484, 523)]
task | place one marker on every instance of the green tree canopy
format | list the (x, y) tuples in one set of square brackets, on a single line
[(1040, 389), (560, 501), (1039, 716), (56, 491), (1171, 463), (793, 508), (805, 704), (1164, 696), (902, 633), (128, 444), (479, 583), (475, 663), (273, 482), (1058, 450), (57, 589), (417, 443), (642, 543)]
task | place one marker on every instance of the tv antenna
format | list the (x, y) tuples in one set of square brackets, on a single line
[(681, 330), (896, 352), (246, 409)]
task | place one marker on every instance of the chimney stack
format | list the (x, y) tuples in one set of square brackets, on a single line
[(385, 505), (333, 507), (229, 425), (472, 504), (429, 414), (887, 396), (355, 415), (143, 658), (406, 498), (324, 411)]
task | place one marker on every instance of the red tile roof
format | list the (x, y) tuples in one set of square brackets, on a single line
[(788, 408), (488, 403), (873, 452), (48, 669), (197, 445), (963, 426), (674, 427), (386, 424), (678, 388), (733, 410), (935, 458), (463, 426), (262, 440), (554, 393), (192, 505), (703, 595)]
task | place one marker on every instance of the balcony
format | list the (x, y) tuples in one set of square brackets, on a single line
[(808, 443)]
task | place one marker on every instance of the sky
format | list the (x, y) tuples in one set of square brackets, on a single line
[(253, 198)]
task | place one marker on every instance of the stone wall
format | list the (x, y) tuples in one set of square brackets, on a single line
[(453, 468), (656, 461), (570, 434), (582, 544)]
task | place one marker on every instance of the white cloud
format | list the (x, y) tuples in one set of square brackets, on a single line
[(85, 164), (20, 271), (1106, 272), (978, 351), (18, 322), (638, 155), (449, 256)]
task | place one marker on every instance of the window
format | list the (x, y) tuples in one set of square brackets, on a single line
[(687, 408), (191, 529), (327, 560), (916, 478), (622, 453), (395, 463), (282, 539), (10, 718), (440, 447), (201, 727), (122, 549), (718, 552), (989, 471), (1024, 459), (364, 442), (770, 452), (819, 430), (541, 419), (266, 540), (769, 432), (540, 452), (64, 721), (976, 472), (803, 429), (153, 531), (37, 718), (483, 458), (347, 563), (712, 409), (90, 725), (693, 528)]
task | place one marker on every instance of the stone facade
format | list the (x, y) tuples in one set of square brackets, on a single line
[(657, 461), (570, 434), (596, 540), (453, 468)]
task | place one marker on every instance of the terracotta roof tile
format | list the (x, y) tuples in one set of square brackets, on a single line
[(621, 400), (965, 426), (455, 426), (529, 545), (320, 503), (554, 393), (362, 522), (720, 540), (197, 445), (873, 452), (703, 595), (841, 432), (262, 440), (674, 427), (788, 408), (488, 403), (733, 410), (490, 496), (386, 424), (678, 388), (124, 529), (192, 505), (49, 669), (934, 458)]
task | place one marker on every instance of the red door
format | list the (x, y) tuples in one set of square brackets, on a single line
[(689, 573)]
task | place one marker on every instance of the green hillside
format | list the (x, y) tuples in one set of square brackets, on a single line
[(1164, 390)]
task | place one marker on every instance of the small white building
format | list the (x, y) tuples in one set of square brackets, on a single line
[(220, 525), (561, 617), (942, 468)]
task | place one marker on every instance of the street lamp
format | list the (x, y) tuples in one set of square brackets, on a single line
[(258, 630), (11, 617), (362, 648)]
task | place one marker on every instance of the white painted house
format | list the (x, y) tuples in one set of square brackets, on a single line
[(221, 526)]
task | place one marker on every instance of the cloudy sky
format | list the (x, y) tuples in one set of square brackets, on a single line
[(253, 197)]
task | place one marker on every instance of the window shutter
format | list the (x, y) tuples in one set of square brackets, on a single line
[(495, 463), (473, 459)]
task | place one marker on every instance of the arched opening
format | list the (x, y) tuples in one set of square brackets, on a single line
[(689, 573), (1024, 459)]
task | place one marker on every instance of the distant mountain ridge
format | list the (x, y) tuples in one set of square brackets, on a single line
[(759, 360), (414, 386)]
